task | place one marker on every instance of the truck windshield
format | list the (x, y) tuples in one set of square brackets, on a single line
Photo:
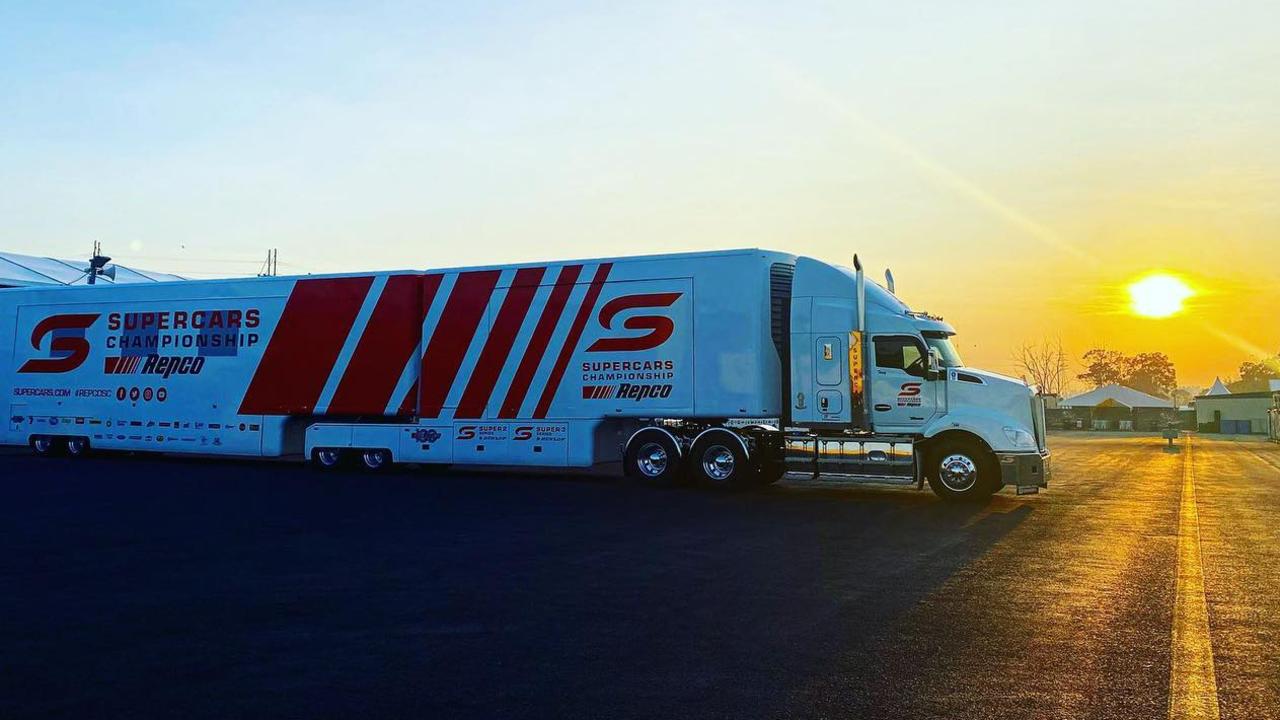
[(942, 343)]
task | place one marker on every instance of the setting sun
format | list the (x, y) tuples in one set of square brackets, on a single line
[(1158, 296)]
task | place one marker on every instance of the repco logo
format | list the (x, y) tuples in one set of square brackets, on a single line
[(660, 327), (68, 348), (636, 392), (173, 365)]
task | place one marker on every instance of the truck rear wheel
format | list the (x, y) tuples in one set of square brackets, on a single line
[(962, 471), (327, 458), (78, 446), (47, 445), (719, 460), (375, 459), (653, 456)]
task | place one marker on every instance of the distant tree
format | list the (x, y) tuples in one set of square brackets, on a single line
[(1150, 372), (1044, 364), (1185, 394), (1104, 367), (1256, 376)]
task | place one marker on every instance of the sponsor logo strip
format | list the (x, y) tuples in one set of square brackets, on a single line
[(462, 315), (305, 344), (537, 346), (571, 342), (498, 345), (387, 344)]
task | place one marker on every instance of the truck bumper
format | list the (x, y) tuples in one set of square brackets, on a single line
[(1024, 469)]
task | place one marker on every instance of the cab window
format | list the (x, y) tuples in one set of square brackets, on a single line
[(901, 352)]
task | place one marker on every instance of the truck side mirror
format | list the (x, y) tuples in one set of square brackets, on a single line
[(935, 365)]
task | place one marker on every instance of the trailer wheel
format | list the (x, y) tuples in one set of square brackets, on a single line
[(719, 460), (47, 445), (327, 458), (375, 459), (962, 471), (653, 456), (78, 446)]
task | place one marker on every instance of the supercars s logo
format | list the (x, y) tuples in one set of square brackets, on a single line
[(909, 395), (660, 327), (68, 348)]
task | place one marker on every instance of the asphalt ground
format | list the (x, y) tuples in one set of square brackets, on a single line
[(1143, 584)]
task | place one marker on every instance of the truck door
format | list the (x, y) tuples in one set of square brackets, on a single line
[(902, 397)]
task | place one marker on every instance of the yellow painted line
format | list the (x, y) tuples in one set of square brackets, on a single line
[(1193, 685)]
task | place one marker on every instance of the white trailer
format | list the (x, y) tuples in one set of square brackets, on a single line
[(728, 368)]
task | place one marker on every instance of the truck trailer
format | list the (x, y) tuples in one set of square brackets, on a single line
[(725, 368)]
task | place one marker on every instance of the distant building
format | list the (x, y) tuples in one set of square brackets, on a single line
[(32, 271), (1114, 407), (1235, 413)]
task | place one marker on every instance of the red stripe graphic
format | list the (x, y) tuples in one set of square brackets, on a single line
[(498, 345), (571, 342), (407, 403), (462, 315), (304, 346), (537, 347), (388, 342)]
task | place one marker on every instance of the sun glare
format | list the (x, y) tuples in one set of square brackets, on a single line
[(1158, 296)]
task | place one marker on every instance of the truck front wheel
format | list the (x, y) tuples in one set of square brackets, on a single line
[(652, 456), (962, 471)]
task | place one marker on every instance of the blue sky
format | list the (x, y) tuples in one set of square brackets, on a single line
[(1031, 142)]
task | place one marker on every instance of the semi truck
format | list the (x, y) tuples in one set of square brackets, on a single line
[(727, 368)]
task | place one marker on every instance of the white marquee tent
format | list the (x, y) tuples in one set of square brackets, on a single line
[(28, 271)]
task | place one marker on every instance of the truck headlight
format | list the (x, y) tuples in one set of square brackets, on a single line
[(1020, 438)]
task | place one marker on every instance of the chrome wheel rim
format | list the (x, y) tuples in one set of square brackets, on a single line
[(328, 458), (652, 460), (959, 473), (374, 459), (42, 445), (77, 446), (718, 462)]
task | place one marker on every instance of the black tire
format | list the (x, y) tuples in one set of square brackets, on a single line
[(653, 457), (329, 459), (962, 470), (47, 445), (78, 446), (718, 460), (375, 459)]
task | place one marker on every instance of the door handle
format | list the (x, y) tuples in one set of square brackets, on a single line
[(882, 407)]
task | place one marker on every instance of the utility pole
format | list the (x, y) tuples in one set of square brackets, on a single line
[(272, 266)]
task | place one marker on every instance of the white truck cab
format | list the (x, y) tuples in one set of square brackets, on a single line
[(879, 390)]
